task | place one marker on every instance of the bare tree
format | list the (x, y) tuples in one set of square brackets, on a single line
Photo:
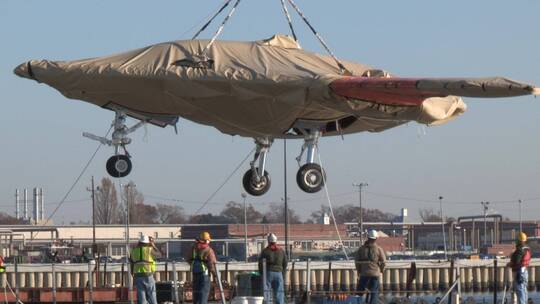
[(107, 209), (429, 215), (276, 214), (6, 219), (139, 212), (170, 214), (350, 213), (235, 213)]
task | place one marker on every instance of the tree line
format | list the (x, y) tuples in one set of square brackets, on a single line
[(111, 209)]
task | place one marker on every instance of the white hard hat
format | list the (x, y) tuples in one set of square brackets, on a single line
[(272, 238), (372, 234), (144, 239)]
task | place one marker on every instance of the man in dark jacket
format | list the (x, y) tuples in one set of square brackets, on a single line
[(519, 262), (276, 267), (370, 261)]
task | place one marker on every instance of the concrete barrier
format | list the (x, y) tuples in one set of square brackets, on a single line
[(336, 276)]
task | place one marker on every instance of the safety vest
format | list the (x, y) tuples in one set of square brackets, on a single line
[(198, 263), (526, 257), (143, 261), (2, 266)]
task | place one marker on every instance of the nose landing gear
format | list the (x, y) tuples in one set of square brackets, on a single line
[(118, 165)]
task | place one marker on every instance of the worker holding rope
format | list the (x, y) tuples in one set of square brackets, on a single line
[(370, 261), (519, 262), (203, 263)]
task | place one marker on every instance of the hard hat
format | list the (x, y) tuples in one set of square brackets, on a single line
[(522, 237), (372, 234), (272, 238), (204, 236), (144, 239)]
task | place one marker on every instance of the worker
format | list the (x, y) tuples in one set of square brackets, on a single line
[(2, 265), (519, 262), (370, 261), (143, 266), (203, 263), (276, 267)]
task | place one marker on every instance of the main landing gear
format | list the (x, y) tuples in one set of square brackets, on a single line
[(310, 177), (256, 180), (118, 165)]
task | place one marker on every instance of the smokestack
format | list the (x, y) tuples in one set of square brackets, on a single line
[(41, 205), (17, 204), (25, 197), (36, 205)]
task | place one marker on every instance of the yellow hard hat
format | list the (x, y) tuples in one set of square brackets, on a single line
[(522, 237), (204, 236)]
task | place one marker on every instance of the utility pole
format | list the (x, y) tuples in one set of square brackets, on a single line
[(442, 228), (520, 219), (94, 245), (285, 200), (128, 195), (245, 227), (485, 206), (360, 218)]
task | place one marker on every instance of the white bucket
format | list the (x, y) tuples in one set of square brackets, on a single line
[(247, 300)]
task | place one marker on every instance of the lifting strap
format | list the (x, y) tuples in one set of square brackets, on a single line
[(342, 68), (211, 19), (220, 29), (288, 16)]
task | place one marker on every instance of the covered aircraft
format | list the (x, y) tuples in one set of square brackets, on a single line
[(265, 90)]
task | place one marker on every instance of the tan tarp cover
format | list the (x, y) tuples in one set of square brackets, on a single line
[(253, 88)]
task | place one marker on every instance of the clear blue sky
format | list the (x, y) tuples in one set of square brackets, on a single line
[(491, 153)]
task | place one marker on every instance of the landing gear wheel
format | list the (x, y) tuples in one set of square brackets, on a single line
[(310, 178), (252, 187), (118, 165)]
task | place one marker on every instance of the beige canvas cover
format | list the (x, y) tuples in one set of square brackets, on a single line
[(260, 88)]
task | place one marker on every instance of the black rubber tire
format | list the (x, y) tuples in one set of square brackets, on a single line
[(256, 189), (310, 178), (118, 166)]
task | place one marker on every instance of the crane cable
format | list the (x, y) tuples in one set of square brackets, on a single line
[(224, 182), (342, 68), (330, 206), (75, 182)]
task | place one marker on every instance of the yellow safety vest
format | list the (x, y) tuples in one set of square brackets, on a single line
[(2, 266), (143, 261)]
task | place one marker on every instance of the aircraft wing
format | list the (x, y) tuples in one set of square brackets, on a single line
[(399, 91)]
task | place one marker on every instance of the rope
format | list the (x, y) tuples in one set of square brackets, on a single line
[(331, 209), (220, 29), (342, 68), (223, 184), (288, 16), (211, 19), (75, 182), (12, 292)]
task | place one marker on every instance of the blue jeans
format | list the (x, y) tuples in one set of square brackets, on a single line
[(201, 288), (372, 285), (146, 289), (520, 288), (274, 286)]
